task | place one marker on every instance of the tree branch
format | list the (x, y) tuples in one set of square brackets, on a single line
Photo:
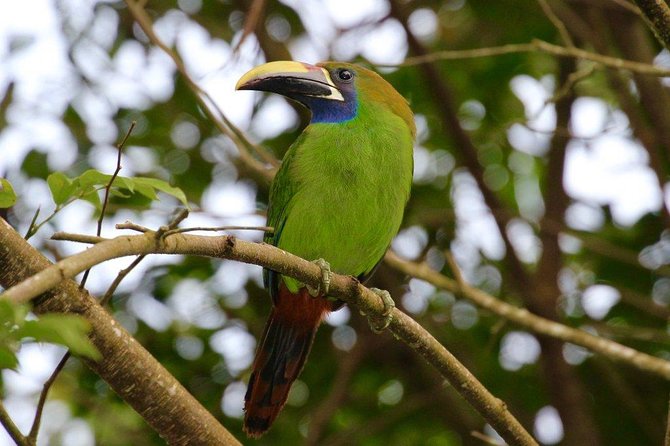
[(219, 119), (12, 430), (534, 46), (657, 14), (343, 287), (127, 367)]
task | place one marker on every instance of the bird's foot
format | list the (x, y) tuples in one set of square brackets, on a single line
[(376, 324), (324, 285)]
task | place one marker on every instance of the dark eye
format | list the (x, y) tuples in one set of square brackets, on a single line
[(345, 75)]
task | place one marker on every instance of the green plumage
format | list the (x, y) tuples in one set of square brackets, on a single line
[(339, 195), (342, 188)]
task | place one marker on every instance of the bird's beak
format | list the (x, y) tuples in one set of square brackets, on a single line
[(292, 79)]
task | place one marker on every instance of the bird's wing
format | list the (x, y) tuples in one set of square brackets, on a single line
[(282, 191)]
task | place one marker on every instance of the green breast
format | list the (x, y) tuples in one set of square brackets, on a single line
[(348, 185)]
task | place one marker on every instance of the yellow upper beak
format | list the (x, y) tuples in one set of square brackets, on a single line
[(292, 79)]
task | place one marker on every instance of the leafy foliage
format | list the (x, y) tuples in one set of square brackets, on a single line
[(87, 185), (64, 329)]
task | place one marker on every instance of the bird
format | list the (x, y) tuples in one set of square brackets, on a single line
[(338, 198)]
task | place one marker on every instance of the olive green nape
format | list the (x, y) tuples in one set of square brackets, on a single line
[(371, 87)]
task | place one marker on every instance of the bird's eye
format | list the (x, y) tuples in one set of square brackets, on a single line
[(345, 75)]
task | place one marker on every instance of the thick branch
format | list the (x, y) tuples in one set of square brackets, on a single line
[(343, 287), (658, 15), (127, 367)]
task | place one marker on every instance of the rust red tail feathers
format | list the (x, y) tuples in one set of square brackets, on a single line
[(281, 355)]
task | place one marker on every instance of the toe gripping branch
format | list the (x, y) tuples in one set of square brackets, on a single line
[(378, 325), (324, 285)]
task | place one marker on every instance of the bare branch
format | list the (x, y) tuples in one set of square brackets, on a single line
[(533, 46), (34, 430), (127, 367), (657, 14), (560, 26), (105, 200), (343, 287)]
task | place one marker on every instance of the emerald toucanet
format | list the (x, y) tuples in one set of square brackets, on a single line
[(338, 196)]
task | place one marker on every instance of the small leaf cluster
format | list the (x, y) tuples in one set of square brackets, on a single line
[(86, 187), (16, 327)]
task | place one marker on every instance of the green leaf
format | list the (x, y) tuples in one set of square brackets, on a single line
[(61, 187), (11, 313), (147, 191), (92, 178), (93, 197), (163, 187), (7, 194), (8, 358), (66, 329), (142, 185)]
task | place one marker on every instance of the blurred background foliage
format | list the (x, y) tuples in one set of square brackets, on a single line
[(580, 196)]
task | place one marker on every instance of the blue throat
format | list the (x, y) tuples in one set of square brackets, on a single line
[(328, 110)]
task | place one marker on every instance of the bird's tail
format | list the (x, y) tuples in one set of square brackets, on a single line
[(285, 344)]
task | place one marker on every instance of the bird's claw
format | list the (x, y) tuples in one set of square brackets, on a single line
[(324, 285), (380, 325)]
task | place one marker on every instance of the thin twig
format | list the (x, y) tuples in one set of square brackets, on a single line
[(253, 16), (79, 238), (117, 281), (553, 18), (221, 228), (132, 226), (455, 269), (537, 45), (12, 430), (629, 6), (31, 227), (221, 122), (32, 436), (108, 188)]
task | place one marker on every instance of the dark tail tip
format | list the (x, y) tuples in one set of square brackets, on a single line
[(284, 346), (255, 427)]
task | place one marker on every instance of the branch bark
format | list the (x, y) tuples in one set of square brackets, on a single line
[(346, 288), (126, 366), (657, 14)]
